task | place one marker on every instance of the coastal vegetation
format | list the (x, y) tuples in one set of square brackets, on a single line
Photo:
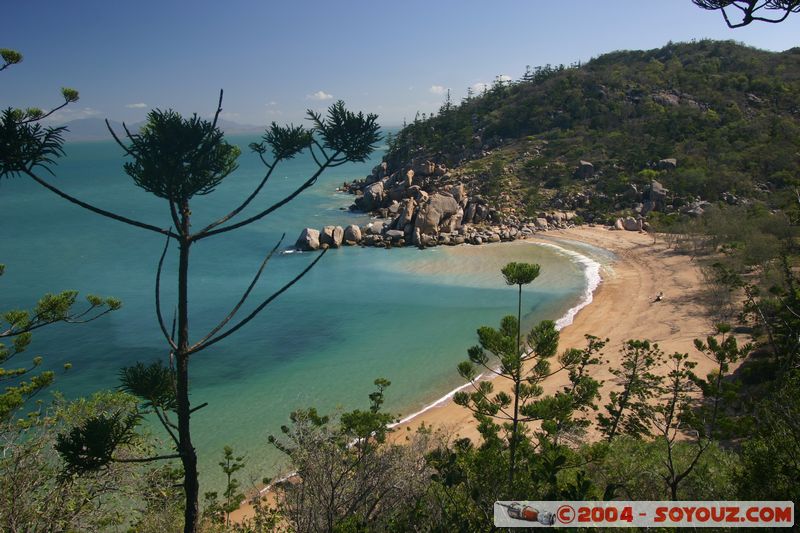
[(698, 140), (174, 159), (21, 384), (17, 325), (704, 119), (634, 139)]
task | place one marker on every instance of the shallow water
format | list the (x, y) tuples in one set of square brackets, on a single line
[(361, 313)]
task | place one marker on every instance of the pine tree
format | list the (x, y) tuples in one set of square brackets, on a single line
[(772, 11), (221, 512), (502, 354), (17, 128), (630, 408), (176, 159)]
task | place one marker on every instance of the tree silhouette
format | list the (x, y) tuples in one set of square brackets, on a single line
[(17, 325), (20, 131), (773, 11), (220, 511), (518, 274), (529, 402), (629, 409), (176, 159)]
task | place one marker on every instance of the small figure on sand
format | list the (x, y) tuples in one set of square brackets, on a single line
[(659, 297)]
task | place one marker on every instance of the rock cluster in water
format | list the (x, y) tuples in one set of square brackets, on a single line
[(422, 206)]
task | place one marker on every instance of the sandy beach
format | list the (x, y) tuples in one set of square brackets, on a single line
[(623, 308)]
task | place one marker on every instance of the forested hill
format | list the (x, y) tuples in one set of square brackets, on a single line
[(729, 115)]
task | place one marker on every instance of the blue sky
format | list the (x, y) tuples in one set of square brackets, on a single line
[(276, 59)]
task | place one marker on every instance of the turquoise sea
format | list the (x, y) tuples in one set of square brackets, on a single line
[(361, 313)]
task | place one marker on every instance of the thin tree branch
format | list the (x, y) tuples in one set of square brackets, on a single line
[(193, 409), (92, 319), (129, 134), (495, 372), (148, 459), (772, 21), (17, 372), (245, 203), (266, 164), (97, 210), (321, 148), (219, 110), (338, 163), (76, 319), (748, 13), (788, 308), (727, 20), (34, 323), (486, 398), (160, 317), (28, 121), (242, 299), (313, 155), (260, 307), (701, 448), (171, 424), (308, 183), (166, 424), (117, 139), (490, 369), (479, 412), (173, 212)]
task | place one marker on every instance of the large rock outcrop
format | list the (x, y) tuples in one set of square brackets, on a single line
[(657, 195), (422, 204), (331, 236), (373, 196), (352, 234), (430, 214), (629, 224), (308, 240), (407, 213)]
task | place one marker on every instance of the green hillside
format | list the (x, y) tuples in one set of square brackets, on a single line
[(728, 114)]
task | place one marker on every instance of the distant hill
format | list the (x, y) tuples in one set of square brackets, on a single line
[(728, 114), (234, 128), (94, 129), (91, 129)]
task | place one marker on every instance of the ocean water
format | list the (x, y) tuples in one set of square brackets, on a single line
[(361, 313)]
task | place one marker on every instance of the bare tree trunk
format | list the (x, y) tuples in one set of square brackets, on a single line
[(188, 455), (191, 485), (623, 404), (515, 423)]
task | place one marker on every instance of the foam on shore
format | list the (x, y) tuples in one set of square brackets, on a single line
[(591, 271)]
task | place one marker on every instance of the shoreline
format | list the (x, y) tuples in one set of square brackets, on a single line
[(591, 272), (621, 307)]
